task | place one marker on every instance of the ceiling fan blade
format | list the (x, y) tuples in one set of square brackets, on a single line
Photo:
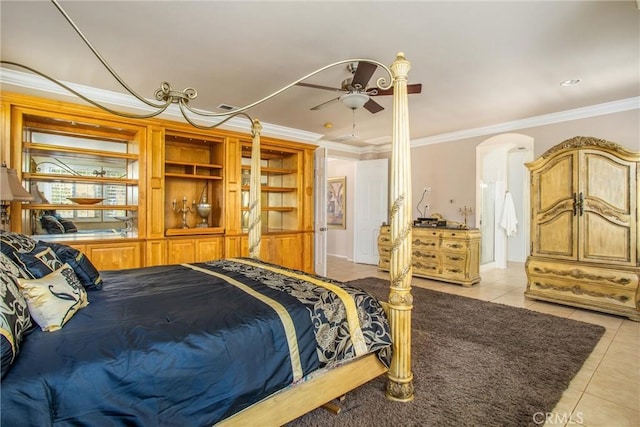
[(363, 73), (373, 107), (324, 104), (412, 88), (332, 89)]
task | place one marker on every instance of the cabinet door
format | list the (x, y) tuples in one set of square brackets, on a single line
[(554, 224), (608, 190), (180, 251), (285, 250), (114, 256), (209, 249)]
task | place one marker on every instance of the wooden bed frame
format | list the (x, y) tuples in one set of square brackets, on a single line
[(299, 399)]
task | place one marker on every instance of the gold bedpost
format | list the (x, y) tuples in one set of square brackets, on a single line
[(255, 227), (400, 377)]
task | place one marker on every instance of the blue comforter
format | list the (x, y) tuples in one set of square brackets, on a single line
[(184, 345)]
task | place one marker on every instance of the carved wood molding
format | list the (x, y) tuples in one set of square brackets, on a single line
[(587, 142)]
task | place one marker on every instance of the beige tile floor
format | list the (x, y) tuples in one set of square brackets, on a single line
[(606, 391)]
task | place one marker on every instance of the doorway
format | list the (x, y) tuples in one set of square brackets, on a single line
[(500, 170)]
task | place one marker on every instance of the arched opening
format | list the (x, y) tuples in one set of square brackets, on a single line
[(500, 170)]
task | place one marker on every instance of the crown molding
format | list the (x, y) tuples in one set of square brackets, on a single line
[(546, 119), (129, 103), (34, 82)]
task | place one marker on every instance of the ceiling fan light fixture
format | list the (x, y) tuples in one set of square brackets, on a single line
[(354, 100)]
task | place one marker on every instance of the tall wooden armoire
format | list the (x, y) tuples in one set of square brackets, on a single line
[(584, 227)]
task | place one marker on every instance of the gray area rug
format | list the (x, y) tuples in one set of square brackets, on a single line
[(474, 363)]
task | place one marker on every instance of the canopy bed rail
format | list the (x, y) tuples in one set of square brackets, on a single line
[(319, 388)]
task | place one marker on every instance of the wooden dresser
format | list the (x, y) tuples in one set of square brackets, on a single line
[(450, 255), (584, 227)]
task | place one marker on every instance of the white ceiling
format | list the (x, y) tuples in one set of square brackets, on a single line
[(480, 63)]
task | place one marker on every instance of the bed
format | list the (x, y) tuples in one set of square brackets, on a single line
[(69, 372), (188, 344)]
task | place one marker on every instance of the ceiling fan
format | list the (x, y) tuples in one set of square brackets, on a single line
[(355, 91)]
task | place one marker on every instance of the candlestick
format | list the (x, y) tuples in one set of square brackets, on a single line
[(184, 209), (465, 211)]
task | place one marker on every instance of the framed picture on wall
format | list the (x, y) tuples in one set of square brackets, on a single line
[(336, 202)]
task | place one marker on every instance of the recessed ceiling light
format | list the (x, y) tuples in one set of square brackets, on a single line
[(226, 107), (571, 82)]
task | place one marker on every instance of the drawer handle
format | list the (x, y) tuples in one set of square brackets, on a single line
[(455, 258)]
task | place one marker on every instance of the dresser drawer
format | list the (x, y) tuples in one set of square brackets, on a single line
[(384, 240), (425, 256), (453, 272), (424, 243), (454, 258), (384, 264), (454, 245), (425, 268)]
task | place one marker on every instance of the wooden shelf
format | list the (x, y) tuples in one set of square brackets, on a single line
[(271, 170), (268, 189), (45, 177), (196, 165), (37, 148), (184, 175), (96, 207), (273, 209), (193, 231)]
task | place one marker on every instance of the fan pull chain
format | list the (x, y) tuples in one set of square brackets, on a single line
[(353, 126)]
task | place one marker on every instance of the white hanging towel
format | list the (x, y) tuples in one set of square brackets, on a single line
[(509, 220)]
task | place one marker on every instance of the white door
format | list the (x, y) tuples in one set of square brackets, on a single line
[(370, 208), (320, 203)]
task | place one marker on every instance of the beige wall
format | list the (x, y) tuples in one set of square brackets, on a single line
[(449, 168), (340, 242)]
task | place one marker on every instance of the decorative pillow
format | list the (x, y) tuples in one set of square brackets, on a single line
[(55, 298), (68, 225), (34, 258), (15, 242), (38, 263), (14, 314), (51, 224), (87, 273)]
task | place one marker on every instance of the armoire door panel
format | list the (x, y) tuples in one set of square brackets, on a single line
[(556, 237), (607, 226), (555, 183), (599, 174), (604, 241)]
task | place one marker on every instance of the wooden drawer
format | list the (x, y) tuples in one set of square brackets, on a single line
[(425, 256), (454, 258), (584, 286), (574, 273), (424, 243), (453, 272), (454, 245), (384, 240), (425, 268)]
